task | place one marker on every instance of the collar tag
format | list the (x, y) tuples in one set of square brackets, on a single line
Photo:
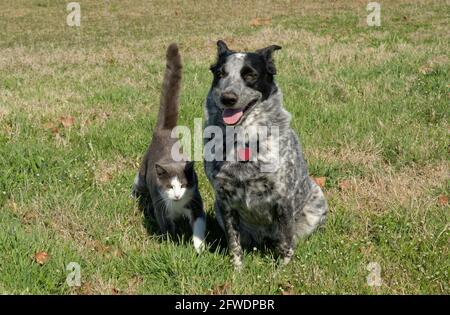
[(244, 154)]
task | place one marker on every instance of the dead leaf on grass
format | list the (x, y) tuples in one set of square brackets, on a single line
[(67, 121), (41, 257), (320, 181)]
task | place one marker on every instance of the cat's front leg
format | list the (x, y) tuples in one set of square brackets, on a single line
[(164, 223), (198, 233), (138, 187)]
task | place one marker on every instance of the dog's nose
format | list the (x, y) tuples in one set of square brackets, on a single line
[(228, 98)]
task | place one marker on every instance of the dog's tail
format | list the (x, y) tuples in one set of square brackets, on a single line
[(168, 106)]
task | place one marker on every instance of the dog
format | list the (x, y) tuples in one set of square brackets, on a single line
[(258, 208)]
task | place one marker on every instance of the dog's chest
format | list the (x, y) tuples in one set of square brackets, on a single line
[(253, 197)]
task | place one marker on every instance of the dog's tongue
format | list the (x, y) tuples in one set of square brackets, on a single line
[(232, 116)]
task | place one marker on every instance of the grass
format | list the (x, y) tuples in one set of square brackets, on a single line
[(370, 105)]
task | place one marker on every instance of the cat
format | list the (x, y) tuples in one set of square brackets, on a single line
[(169, 188)]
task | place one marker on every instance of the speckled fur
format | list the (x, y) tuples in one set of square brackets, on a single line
[(264, 208)]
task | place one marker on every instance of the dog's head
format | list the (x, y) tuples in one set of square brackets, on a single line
[(242, 81)]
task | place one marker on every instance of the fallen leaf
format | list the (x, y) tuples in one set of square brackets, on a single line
[(55, 131), (41, 257), (67, 121), (320, 181), (426, 69), (254, 22), (86, 288), (287, 289), (344, 185), (221, 289), (257, 22), (443, 200)]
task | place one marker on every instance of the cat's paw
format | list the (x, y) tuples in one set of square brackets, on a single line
[(199, 244)]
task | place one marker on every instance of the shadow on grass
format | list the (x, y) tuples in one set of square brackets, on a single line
[(215, 238)]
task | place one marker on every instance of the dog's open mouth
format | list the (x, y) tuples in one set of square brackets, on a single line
[(231, 116)]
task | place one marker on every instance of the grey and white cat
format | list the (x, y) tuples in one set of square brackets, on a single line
[(257, 208), (168, 187)]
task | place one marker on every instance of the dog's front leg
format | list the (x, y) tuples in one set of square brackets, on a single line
[(286, 242), (231, 224)]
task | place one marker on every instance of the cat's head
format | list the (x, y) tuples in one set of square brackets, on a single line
[(175, 180)]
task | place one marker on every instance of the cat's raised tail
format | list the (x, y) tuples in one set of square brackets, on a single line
[(168, 106)]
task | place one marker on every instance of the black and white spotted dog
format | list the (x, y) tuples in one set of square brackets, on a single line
[(255, 207)]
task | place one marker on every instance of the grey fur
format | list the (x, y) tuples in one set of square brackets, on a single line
[(158, 167), (262, 208)]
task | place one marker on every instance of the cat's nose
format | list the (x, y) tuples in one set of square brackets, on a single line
[(177, 196)]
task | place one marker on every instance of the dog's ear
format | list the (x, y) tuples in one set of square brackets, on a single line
[(222, 51), (267, 55), (222, 48)]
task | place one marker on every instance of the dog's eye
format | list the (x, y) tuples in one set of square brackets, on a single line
[(250, 77), (222, 73)]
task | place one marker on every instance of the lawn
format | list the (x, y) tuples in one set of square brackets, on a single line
[(78, 105)]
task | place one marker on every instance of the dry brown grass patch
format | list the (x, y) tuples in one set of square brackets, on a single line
[(387, 189)]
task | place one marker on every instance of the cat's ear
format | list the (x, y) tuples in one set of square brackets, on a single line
[(267, 55), (189, 167), (160, 170)]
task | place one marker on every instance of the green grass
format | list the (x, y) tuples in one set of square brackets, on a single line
[(370, 105)]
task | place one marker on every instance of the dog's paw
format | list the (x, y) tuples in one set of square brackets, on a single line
[(237, 263), (286, 257), (285, 261)]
